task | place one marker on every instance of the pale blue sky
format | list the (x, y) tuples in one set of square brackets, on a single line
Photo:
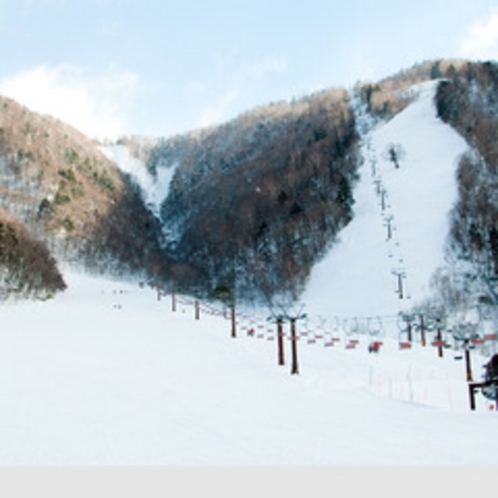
[(161, 67)]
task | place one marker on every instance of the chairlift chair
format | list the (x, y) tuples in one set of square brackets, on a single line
[(311, 337), (336, 327), (328, 340), (270, 334), (403, 342), (260, 334), (351, 328), (374, 346)]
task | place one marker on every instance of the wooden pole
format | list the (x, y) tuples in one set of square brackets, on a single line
[(173, 301), (280, 341), (468, 369), (197, 310), (439, 339), (423, 342), (234, 322), (294, 368), (472, 396)]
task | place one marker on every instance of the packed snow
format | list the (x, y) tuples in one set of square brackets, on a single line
[(109, 373), (400, 219)]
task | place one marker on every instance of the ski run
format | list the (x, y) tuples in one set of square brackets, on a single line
[(121, 373)]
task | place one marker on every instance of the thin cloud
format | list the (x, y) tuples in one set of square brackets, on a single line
[(96, 105), (218, 113), (481, 39)]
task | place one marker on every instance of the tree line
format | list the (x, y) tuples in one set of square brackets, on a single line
[(255, 202)]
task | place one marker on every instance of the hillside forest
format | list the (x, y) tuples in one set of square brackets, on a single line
[(253, 203)]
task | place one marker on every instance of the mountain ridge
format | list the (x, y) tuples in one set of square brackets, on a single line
[(245, 208)]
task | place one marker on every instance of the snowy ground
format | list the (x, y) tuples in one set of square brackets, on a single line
[(107, 373)]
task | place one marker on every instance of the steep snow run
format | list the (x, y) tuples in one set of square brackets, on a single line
[(154, 189), (385, 258)]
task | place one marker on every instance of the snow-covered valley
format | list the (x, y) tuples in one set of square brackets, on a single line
[(108, 373)]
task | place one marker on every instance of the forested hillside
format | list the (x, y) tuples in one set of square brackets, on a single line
[(254, 202), (71, 197), (468, 101), (386, 98), (26, 267)]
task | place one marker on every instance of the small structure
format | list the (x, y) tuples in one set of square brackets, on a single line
[(489, 386)]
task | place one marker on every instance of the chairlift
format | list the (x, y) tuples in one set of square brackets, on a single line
[(260, 334), (403, 338), (270, 334), (404, 344), (374, 326), (351, 327), (439, 343), (329, 341), (335, 330), (374, 346)]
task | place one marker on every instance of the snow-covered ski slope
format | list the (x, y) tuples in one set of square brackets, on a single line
[(154, 189), (400, 219), (107, 373)]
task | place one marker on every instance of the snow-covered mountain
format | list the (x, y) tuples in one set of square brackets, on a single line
[(107, 373), (384, 260), (398, 235)]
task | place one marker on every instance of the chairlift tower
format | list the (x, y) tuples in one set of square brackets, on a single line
[(388, 222), (400, 275), (467, 336), (279, 321), (293, 319), (291, 312)]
